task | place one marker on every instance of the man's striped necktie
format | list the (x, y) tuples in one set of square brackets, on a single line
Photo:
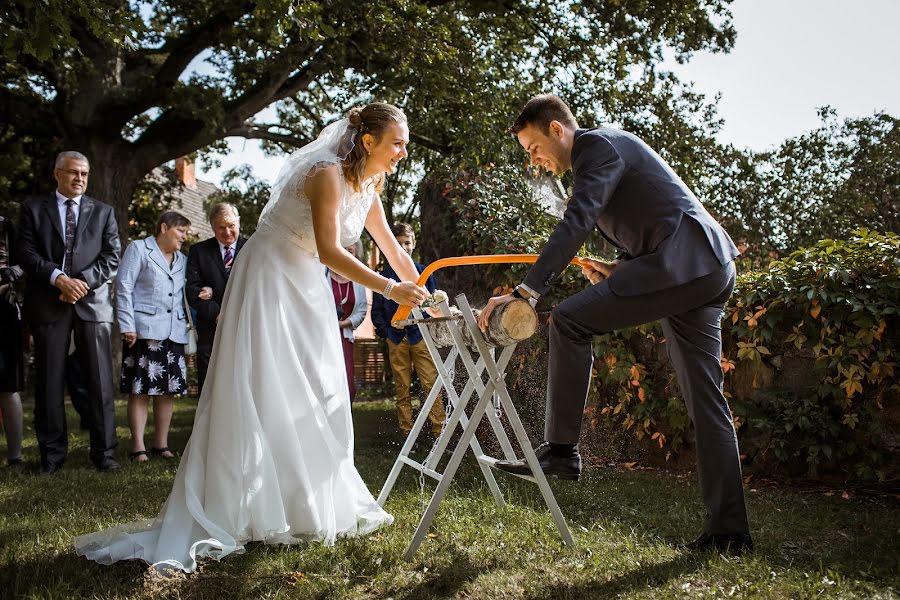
[(228, 258), (70, 237)]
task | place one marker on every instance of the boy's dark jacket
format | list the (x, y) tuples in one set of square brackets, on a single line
[(383, 309)]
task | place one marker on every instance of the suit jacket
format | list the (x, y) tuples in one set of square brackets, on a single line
[(42, 246), (206, 269), (627, 191), (149, 294)]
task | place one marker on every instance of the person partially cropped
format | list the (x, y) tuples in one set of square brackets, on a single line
[(350, 304), (12, 359)]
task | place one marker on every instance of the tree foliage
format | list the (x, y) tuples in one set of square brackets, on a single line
[(823, 184), (134, 85)]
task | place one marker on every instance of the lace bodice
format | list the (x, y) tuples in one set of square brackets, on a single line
[(291, 216)]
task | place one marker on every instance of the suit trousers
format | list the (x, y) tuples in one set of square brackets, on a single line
[(404, 356), (51, 348), (690, 315), (77, 386)]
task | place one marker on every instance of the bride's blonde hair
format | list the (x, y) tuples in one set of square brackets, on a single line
[(373, 119)]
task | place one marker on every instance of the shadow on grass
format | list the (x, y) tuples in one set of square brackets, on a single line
[(447, 581), (66, 575), (790, 530), (644, 576)]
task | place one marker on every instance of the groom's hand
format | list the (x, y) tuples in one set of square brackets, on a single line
[(597, 270), (489, 308)]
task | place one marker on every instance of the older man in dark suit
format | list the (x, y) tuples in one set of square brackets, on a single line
[(69, 247), (208, 268), (676, 266)]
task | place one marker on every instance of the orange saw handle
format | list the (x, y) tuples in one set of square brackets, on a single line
[(478, 259)]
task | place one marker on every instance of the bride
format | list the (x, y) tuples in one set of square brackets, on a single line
[(270, 456)]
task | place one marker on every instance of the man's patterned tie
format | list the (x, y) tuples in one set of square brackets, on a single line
[(228, 258), (70, 236)]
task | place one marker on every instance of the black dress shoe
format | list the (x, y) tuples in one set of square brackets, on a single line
[(106, 463), (50, 468), (561, 467), (730, 543)]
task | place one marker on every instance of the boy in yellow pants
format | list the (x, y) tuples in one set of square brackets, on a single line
[(406, 347)]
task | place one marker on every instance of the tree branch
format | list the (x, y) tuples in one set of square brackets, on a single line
[(173, 134), (278, 85), (183, 49), (152, 87), (44, 69), (263, 132), (88, 44), (431, 144), (312, 115)]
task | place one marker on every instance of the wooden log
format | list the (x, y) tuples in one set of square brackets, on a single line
[(511, 323)]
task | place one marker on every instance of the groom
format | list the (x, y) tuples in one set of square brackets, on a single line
[(675, 265)]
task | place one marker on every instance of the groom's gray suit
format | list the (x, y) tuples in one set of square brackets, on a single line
[(676, 266)]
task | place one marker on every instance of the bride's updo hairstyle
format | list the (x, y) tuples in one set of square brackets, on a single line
[(373, 119)]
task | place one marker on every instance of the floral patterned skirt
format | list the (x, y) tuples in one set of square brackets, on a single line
[(154, 368)]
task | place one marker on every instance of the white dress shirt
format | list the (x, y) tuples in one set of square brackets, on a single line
[(61, 206)]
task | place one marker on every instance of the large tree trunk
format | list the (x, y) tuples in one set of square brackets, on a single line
[(113, 181)]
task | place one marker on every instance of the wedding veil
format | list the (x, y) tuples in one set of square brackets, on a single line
[(331, 147)]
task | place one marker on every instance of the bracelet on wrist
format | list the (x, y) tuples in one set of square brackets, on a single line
[(388, 288), (517, 294)]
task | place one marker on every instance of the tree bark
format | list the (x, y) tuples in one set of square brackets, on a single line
[(113, 179), (508, 324)]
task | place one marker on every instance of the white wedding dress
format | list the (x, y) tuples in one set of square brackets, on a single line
[(270, 456)]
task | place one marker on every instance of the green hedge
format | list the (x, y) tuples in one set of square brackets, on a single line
[(810, 352)]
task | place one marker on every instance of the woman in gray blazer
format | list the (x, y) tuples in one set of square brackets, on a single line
[(351, 305), (150, 308)]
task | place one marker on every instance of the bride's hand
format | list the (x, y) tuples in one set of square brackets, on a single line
[(408, 293)]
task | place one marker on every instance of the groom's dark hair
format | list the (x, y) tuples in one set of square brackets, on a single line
[(540, 111)]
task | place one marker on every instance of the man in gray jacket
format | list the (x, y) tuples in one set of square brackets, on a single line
[(675, 265)]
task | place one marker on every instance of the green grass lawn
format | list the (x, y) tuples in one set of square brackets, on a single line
[(624, 522)]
